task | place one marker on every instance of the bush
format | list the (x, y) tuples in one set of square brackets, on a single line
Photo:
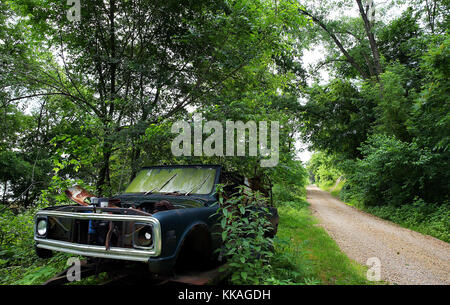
[(392, 172), (16, 232), (244, 228), (19, 264), (323, 171), (285, 193), (289, 178)]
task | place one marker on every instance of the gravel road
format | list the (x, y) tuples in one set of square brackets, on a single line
[(406, 257)]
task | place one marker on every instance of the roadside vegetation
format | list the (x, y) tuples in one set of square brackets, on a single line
[(19, 264)]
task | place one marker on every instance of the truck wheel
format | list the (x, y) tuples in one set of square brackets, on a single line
[(196, 251), (43, 253)]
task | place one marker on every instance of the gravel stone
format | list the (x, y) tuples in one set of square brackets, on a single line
[(407, 257)]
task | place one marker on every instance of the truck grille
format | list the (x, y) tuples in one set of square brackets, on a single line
[(91, 232), (122, 234)]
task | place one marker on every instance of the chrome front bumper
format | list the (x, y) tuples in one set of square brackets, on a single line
[(130, 254)]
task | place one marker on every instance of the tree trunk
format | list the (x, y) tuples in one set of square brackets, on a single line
[(104, 176), (5, 187), (136, 153), (371, 37)]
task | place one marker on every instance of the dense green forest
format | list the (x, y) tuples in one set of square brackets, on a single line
[(91, 101)]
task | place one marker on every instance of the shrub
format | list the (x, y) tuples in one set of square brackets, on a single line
[(285, 193), (19, 263), (244, 228), (392, 172), (323, 171)]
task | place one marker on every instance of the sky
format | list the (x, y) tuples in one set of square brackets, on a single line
[(311, 57)]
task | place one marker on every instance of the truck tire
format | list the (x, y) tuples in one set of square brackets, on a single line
[(43, 253)]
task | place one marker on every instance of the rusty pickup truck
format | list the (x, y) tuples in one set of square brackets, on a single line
[(166, 217)]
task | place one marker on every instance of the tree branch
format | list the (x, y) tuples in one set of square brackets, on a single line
[(350, 59), (371, 36)]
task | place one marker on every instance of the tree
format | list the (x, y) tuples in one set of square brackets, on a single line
[(354, 37), (389, 131), (130, 64), (337, 118)]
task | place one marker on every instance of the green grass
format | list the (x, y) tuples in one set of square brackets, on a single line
[(337, 190), (308, 254), (34, 271), (19, 264)]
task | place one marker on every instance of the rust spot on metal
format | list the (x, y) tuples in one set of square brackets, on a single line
[(78, 194)]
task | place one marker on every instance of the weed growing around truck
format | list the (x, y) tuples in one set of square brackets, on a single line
[(304, 254)]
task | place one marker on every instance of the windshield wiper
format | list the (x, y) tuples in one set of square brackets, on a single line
[(198, 186), (165, 183)]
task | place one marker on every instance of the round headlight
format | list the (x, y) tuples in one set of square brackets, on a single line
[(144, 237), (42, 227)]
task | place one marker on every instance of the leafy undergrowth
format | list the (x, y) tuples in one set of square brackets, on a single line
[(19, 264), (337, 189), (36, 273), (333, 188), (305, 253)]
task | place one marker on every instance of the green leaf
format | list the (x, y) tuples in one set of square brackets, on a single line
[(242, 209), (224, 235), (223, 223)]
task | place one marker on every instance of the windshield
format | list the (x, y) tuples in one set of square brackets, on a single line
[(193, 180)]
